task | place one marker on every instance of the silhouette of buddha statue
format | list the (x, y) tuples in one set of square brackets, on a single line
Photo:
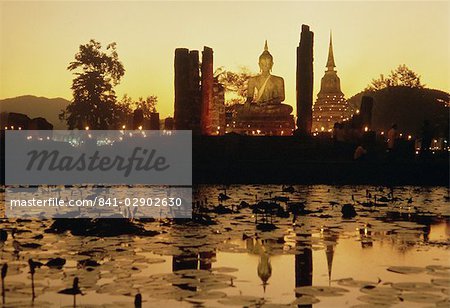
[(265, 92)]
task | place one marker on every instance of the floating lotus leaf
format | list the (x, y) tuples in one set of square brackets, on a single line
[(84, 306), (379, 299), (181, 280), (437, 273), (439, 270), (193, 273), (305, 300), (175, 294), (118, 305), (209, 295), (421, 297), (218, 277), (381, 291), (442, 282), (211, 285), (240, 300), (27, 304), (12, 286), (408, 224), (350, 282), (443, 303), (369, 306), (413, 286), (274, 305), (406, 269), (113, 289), (383, 227), (320, 290), (224, 269)]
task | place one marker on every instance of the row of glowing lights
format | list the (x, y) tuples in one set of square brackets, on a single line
[(123, 127), (322, 129), (85, 128), (325, 117), (328, 120), (366, 129), (12, 127), (258, 132)]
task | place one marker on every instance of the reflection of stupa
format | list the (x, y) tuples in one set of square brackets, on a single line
[(330, 106), (330, 238), (256, 246)]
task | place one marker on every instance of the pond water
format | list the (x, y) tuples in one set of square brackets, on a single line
[(394, 252)]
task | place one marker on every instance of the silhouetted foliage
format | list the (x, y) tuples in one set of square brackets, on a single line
[(409, 107), (94, 99), (401, 76), (127, 106), (148, 105), (234, 83)]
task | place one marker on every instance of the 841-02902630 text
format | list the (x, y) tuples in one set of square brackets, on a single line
[(98, 201)]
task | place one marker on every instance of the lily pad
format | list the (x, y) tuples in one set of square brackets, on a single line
[(379, 299), (406, 269), (421, 297), (240, 300), (380, 291), (320, 291), (305, 300), (224, 269), (413, 286), (209, 295), (442, 282), (350, 282)]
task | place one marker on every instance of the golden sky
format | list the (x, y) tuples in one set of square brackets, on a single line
[(39, 39)]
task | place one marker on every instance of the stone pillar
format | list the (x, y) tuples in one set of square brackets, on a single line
[(207, 91), (168, 123), (366, 111), (182, 113), (138, 118), (154, 121), (305, 81), (219, 107), (194, 93)]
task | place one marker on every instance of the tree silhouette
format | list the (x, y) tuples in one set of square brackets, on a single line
[(147, 105), (124, 109), (94, 99), (234, 83), (402, 76)]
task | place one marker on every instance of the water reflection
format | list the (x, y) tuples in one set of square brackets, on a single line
[(232, 262)]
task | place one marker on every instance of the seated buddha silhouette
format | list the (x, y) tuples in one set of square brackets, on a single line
[(265, 92)]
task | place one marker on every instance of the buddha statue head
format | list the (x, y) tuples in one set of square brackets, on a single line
[(265, 60)]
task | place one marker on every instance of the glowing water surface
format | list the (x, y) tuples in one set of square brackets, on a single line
[(234, 263)]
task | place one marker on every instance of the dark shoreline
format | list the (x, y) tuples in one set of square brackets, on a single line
[(324, 172), (292, 160), (236, 159)]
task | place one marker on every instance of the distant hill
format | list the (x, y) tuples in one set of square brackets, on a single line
[(408, 108), (33, 107)]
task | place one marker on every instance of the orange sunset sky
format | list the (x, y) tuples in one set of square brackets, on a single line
[(39, 39)]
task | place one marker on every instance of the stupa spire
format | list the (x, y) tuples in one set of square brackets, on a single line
[(330, 62), (266, 48)]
